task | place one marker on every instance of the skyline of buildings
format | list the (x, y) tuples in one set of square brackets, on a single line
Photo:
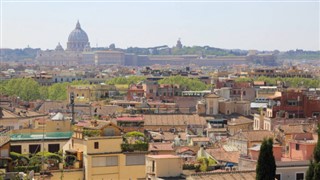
[(262, 26)]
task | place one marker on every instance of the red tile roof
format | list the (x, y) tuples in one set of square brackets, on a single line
[(163, 156), (160, 147), (221, 155)]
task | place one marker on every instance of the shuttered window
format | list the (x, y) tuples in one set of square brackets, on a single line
[(103, 161), (135, 159)]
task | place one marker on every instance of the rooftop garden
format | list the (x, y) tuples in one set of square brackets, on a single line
[(134, 141)]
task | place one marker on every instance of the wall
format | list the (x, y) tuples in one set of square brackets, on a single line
[(66, 174), (165, 167), (305, 151), (289, 169), (121, 171), (246, 164), (233, 129), (212, 106), (106, 144)]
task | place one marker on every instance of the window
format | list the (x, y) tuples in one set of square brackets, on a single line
[(244, 93), (292, 103), (299, 176), (53, 148), (16, 149), (278, 176), (297, 147), (315, 114), (135, 159), (96, 145), (35, 148), (153, 165), (103, 161), (151, 91)]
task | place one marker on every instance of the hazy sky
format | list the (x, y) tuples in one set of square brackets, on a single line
[(232, 25)]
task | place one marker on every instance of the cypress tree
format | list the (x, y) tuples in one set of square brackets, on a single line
[(316, 172), (316, 153), (310, 171), (313, 172), (266, 166)]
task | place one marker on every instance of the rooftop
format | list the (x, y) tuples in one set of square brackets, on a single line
[(164, 156), (40, 136)]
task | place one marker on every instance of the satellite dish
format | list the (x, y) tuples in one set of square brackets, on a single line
[(31, 175)]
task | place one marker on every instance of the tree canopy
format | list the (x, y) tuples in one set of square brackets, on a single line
[(125, 80), (25, 88), (266, 166), (28, 89), (190, 84), (291, 82)]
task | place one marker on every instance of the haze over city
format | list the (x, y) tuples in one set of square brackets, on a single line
[(231, 25)]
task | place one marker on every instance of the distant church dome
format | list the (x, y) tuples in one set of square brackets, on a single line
[(59, 47), (77, 39)]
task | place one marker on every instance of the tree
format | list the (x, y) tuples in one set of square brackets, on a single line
[(313, 172), (266, 166), (190, 84), (58, 91), (125, 80), (310, 171)]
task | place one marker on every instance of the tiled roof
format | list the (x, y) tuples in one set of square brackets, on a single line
[(221, 155), (173, 120), (303, 136), (257, 135), (295, 128), (240, 120), (160, 147), (235, 175), (163, 156), (183, 149), (200, 139)]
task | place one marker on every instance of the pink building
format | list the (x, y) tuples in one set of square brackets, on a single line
[(302, 149)]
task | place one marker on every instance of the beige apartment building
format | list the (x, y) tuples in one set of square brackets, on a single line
[(87, 93), (162, 166), (103, 155)]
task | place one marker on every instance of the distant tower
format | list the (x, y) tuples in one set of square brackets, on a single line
[(179, 44), (78, 39)]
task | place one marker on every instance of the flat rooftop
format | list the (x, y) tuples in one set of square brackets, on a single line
[(40, 136)]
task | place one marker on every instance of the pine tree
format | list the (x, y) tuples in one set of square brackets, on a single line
[(266, 166)]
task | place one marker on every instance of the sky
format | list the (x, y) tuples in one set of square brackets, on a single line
[(261, 25)]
